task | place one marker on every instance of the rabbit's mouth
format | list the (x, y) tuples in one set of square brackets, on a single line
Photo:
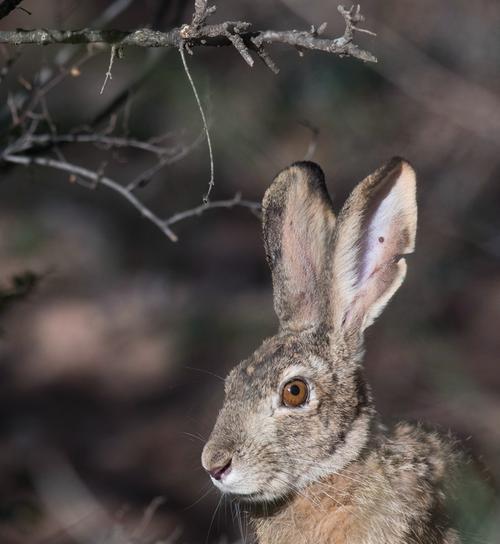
[(240, 484), (236, 481)]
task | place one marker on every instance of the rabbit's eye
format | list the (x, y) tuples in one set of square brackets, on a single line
[(295, 393)]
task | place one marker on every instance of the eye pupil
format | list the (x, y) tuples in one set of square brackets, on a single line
[(295, 390), (295, 393)]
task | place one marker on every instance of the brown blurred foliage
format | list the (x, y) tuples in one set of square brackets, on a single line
[(109, 368)]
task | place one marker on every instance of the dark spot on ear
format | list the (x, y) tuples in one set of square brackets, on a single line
[(344, 319), (381, 239)]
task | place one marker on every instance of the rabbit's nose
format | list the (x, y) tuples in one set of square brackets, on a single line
[(221, 471)]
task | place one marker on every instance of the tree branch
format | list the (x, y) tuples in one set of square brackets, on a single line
[(25, 113), (236, 201), (41, 140), (98, 179), (198, 33)]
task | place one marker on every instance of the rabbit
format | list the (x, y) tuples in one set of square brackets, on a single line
[(298, 439)]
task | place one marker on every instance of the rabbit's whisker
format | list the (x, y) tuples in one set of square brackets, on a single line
[(205, 371), (199, 499), (192, 435), (213, 518)]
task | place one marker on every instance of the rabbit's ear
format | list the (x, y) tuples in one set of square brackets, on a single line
[(298, 222), (375, 229)]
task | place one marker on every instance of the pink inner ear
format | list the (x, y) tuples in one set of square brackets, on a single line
[(382, 242), (378, 225)]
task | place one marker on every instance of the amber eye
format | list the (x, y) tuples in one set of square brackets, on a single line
[(295, 393)]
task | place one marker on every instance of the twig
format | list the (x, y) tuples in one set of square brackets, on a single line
[(40, 140), (97, 179), (108, 73), (198, 210), (211, 182), (30, 102), (145, 177)]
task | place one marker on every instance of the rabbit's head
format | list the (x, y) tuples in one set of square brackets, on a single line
[(298, 408)]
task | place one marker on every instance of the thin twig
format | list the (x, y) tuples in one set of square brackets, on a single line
[(108, 73), (30, 102), (236, 201), (211, 182), (145, 177), (40, 140)]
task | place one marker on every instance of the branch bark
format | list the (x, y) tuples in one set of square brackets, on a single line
[(229, 33)]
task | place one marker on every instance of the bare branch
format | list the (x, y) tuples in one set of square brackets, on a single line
[(40, 140), (31, 101), (97, 179), (145, 177), (31, 110), (198, 33), (198, 210)]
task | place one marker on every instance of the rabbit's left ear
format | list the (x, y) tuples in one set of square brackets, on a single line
[(376, 228), (298, 222)]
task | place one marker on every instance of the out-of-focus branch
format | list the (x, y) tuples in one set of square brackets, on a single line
[(198, 33)]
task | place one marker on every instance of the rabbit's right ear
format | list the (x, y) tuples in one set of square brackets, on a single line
[(298, 222)]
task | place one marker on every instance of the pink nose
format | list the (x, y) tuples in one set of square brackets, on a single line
[(219, 472)]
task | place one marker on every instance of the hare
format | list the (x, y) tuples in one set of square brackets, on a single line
[(298, 438)]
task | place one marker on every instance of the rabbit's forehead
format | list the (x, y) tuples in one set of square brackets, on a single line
[(275, 361)]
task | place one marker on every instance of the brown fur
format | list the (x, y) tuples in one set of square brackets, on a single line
[(328, 471)]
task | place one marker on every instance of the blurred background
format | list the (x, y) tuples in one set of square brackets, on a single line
[(110, 366)]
